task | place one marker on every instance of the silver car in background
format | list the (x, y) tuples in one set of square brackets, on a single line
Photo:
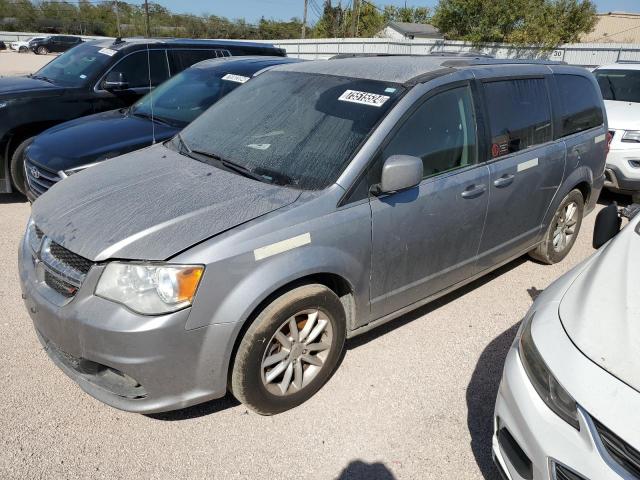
[(311, 204)]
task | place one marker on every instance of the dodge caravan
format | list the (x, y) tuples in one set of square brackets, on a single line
[(313, 203)]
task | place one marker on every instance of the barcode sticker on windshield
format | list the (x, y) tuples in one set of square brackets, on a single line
[(235, 78), (363, 98), (107, 51)]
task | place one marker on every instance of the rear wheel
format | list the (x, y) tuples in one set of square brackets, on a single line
[(23, 50), (42, 50), (17, 167), (290, 350), (563, 230)]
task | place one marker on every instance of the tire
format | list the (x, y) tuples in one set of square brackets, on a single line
[(261, 353), (23, 50), (17, 167), (42, 50), (561, 234)]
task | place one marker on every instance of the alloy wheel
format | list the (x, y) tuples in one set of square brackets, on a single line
[(565, 227)]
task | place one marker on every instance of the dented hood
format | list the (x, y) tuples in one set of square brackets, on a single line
[(150, 205), (601, 310)]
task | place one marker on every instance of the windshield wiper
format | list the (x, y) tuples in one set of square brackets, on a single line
[(153, 118), (228, 164), (41, 77)]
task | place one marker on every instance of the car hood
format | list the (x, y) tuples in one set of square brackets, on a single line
[(13, 86), (97, 137), (151, 205), (623, 115), (601, 310)]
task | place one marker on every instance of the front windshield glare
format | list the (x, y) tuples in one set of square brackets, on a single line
[(620, 85), (184, 97), (293, 128), (75, 67)]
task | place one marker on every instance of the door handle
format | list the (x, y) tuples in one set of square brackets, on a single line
[(473, 191), (504, 181)]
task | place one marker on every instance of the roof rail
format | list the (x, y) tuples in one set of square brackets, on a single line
[(628, 61), (431, 54), (470, 62)]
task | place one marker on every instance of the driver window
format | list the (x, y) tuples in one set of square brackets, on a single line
[(139, 72), (442, 132)]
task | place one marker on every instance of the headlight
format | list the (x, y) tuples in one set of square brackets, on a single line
[(150, 289), (551, 392), (33, 237), (631, 136)]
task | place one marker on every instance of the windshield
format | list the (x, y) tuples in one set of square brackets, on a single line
[(184, 97), (75, 67), (621, 85), (292, 128)]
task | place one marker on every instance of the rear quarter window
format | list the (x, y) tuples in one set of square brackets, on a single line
[(581, 104), (519, 114)]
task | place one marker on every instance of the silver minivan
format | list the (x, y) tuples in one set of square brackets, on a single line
[(310, 205)]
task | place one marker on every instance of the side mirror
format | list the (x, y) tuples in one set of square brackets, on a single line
[(400, 172), (607, 225), (115, 81)]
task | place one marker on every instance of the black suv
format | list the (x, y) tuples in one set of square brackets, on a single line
[(94, 77), (54, 43)]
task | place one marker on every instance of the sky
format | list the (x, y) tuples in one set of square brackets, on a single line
[(252, 10)]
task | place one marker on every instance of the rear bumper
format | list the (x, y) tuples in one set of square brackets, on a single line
[(132, 362)]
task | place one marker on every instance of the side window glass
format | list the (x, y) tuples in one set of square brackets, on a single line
[(581, 104), (442, 132), (519, 114), (139, 72), (183, 59)]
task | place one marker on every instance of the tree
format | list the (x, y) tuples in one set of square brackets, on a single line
[(546, 23), (406, 14)]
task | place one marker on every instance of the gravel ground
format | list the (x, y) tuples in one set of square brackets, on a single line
[(411, 400), (13, 63)]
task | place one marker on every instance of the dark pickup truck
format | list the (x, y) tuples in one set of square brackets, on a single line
[(94, 77)]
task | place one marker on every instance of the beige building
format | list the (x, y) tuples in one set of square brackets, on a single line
[(615, 27)]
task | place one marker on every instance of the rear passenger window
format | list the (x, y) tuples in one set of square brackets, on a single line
[(581, 104), (519, 114), (183, 59), (442, 132)]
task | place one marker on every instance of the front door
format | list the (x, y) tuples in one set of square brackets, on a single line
[(426, 239), (526, 169)]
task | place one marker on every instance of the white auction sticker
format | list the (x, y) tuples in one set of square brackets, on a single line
[(235, 78), (363, 98), (107, 51)]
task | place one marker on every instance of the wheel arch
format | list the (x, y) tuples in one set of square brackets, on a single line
[(580, 179)]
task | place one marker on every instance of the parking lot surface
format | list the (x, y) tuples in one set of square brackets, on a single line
[(410, 400), (13, 63)]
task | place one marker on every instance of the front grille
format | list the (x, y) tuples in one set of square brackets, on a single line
[(623, 453), (39, 179), (69, 258), (563, 473), (56, 283)]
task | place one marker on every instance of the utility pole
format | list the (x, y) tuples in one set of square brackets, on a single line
[(118, 18), (354, 9), (304, 20), (146, 13)]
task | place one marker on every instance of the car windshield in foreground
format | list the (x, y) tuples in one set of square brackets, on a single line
[(75, 67), (292, 128), (620, 85), (184, 97)]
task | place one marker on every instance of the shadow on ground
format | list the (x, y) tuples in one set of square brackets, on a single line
[(481, 398), (12, 198), (358, 470)]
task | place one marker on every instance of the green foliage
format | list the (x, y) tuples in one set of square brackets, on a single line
[(546, 23), (406, 14)]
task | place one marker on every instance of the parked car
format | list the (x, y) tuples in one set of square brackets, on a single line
[(90, 78), (54, 44), (75, 145), (319, 200), (3, 46), (22, 46), (620, 85), (567, 405)]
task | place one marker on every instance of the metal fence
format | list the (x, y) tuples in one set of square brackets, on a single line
[(585, 54)]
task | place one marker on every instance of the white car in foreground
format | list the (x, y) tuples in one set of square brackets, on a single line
[(568, 407), (620, 85)]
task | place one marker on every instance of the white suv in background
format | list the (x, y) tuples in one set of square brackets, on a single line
[(620, 85), (23, 45)]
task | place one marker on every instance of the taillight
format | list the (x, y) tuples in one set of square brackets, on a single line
[(609, 139)]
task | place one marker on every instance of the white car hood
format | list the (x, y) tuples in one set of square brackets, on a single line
[(623, 115), (601, 310)]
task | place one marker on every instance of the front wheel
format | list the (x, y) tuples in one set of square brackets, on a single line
[(42, 50), (17, 167), (563, 230), (290, 350)]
